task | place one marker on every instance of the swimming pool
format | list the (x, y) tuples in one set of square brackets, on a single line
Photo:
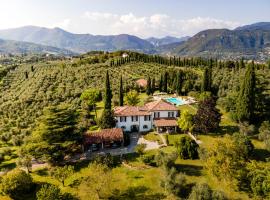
[(176, 101)]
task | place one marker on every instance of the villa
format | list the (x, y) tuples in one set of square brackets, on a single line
[(160, 115)]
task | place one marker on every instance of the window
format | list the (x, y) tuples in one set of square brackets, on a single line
[(156, 114), (123, 127), (123, 119), (134, 118), (147, 117), (145, 127), (170, 114)]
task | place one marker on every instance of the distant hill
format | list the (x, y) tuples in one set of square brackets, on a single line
[(79, 43), (166, 40), (16, 47), (248, 42), (257, 26)]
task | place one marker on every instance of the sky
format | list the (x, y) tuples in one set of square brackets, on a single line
[(143, 18)]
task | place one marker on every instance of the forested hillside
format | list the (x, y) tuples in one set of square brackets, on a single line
[(25, 91)]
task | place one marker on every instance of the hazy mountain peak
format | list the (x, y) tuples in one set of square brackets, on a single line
[(255, 26)]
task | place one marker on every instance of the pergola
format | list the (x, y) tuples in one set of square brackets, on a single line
[(166, 125), (104, 137)]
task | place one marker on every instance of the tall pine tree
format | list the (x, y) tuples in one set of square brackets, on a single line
[(246, 97), (121, 93), (179, 83), (165, 82), (161, 83), (107, 119), (153, 87), (207, 80), (108, 93), (148, 87)]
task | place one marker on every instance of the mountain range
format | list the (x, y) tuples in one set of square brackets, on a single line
[(18, 47), (250, 41)]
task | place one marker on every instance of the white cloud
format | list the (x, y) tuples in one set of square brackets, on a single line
[(157, 25), (63, 24)]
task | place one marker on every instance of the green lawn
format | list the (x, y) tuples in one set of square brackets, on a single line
[(191, 108)]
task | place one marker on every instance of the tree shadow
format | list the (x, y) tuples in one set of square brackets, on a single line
[(222, 130), (42, 172), (260, 154), (8, 165), (136, 193), (131, 157), (190, 170)]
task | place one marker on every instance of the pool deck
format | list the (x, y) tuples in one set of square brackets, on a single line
[(185, 99)]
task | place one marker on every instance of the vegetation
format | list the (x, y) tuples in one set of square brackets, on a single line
[(62, 173), (42, 115), (55, 136), (185, 122), (187, 148), (246, 97), (16, 183), (132, 98), (207, 118)]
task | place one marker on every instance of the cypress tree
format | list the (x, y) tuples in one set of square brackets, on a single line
[(148, 87), (179, 83), (207, 80), (108, 93), (26, 75), (161, 83), (246, 97), (107, 119), (121, 95), (165, 82), (153, 87), (204, 80)]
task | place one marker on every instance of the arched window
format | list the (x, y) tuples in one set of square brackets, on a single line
[(145, 127)]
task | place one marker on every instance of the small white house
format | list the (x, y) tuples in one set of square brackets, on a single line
[(160, 115)]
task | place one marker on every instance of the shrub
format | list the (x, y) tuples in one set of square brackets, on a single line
[(16, 183), (219, 195), (140, 148), (164, 160), (108, 160), (187, 148), (52, 192), (149, 160), (201, 191), (49, 192)]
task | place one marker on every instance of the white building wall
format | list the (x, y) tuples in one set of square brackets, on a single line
[(147, 123), (140, 123), (164, 114)]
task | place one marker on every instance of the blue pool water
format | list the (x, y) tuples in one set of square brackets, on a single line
[(176, 101)]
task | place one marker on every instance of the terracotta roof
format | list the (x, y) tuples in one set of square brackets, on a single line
[(165, 122), (130, 111), (104, 135), (160, 105), (141, 82)]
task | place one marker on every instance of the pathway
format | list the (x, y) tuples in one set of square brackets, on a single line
[(149, 144), (194, 138), (163, 139)]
